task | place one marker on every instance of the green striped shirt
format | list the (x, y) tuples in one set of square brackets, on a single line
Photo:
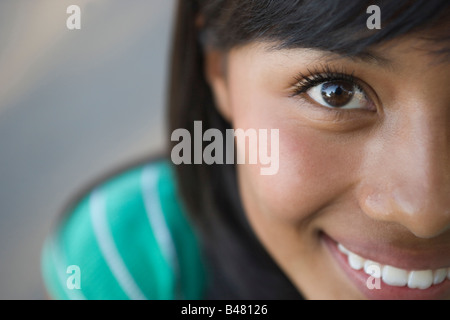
[(127, 239)]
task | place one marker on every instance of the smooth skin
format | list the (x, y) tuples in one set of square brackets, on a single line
[(376, 179)]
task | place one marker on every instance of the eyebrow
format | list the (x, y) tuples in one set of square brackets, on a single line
[(367, 56), (373, 58)]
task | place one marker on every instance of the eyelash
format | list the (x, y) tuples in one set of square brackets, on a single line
[(321, 75)]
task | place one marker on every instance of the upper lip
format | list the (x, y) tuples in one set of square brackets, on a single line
[(418, 256)]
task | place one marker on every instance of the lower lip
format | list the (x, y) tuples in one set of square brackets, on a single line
[(384, 292)]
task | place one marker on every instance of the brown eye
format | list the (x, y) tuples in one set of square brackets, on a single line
[(339, 94)]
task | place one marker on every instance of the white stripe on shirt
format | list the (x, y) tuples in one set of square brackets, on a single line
[(108, 248), (156, 218)]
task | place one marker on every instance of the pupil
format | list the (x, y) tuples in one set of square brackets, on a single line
[(337, 93)]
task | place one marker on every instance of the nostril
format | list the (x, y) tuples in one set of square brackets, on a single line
[(424, 215), (375, 205), (428, 230)]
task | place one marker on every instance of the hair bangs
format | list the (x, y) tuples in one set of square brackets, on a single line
[(338, 26)]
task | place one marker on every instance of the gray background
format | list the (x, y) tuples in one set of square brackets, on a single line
[(73, 106)]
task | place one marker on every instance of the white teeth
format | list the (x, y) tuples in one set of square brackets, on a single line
[(372, 268), (355, 261), (343, 249), (414, 279), (420, 279), (394, 276), (439, 275)]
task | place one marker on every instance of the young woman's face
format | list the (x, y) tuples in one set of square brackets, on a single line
[(364, 162)]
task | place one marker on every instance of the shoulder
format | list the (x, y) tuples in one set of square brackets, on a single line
[(128, 238)]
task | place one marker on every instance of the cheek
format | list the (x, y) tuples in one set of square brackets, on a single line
[(313, 168), (303, 183)]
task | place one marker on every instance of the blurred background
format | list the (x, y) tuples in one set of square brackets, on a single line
[(74, 105)]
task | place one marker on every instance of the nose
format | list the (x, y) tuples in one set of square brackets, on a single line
[(407, 174)]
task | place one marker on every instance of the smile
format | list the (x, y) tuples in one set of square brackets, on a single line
[(397, 277)]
